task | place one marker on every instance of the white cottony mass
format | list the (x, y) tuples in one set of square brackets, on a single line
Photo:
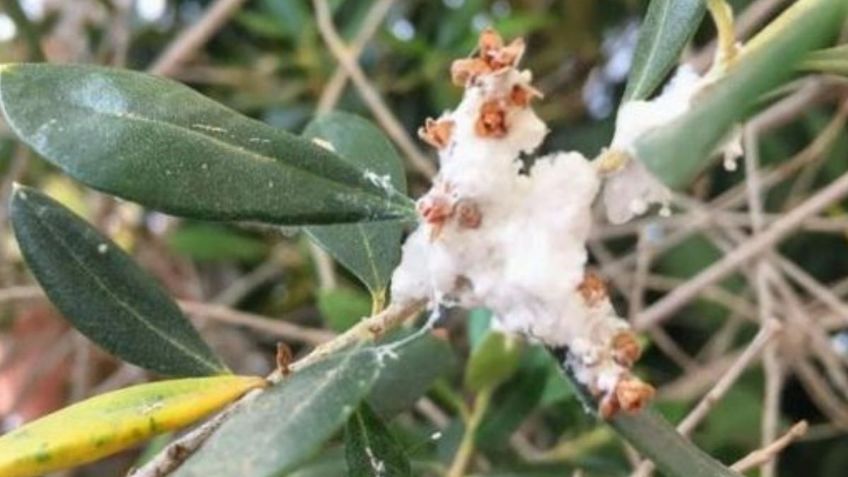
[(632, 189), (514, 241)]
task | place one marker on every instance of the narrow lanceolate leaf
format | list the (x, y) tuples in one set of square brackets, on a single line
[(677, 152), (369, 250), (652, 435), (111, 422), (103, 293), (370, 448), (409, 372), (674, 455), (286, 424), (667, 28), (159, 143)]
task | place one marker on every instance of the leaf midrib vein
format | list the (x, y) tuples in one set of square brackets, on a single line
[(655, 47), (133, 312)]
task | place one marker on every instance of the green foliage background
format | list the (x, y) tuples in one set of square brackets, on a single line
[(271, 63)]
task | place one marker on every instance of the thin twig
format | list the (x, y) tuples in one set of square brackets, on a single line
[(758, 244), (465, 452), (369, 94), (644, 256), (189, 41), (324, 264), (81, 367), (239, 289), (810, 335), (372, 21), (170, 458), (820, 393), (281, 329), (768, 453), (738, 219), (781, 112), (816, 289), (703, 408), (278, 328), (771, 361), (697, 382)]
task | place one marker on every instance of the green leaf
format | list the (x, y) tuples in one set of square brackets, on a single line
[(370, 251), (493, 361), (159, 143), (410, 372), (479, 324), (653, 436), (556, 389), (674, 455), (515, 401), (371, 450), (103, 293), (115, 421), (667, 28), (829, 61), (213, 242), (343, 307), (289, 422), (330, 463), (677, 152)]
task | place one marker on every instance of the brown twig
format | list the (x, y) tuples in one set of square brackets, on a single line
[(781, 112), (278, 328), (333, 89), (757, 245), (189, 41), (703, 408), (281, 329), (768, 453), (329, 97), (170, 458), (369, 94), (771, 361)]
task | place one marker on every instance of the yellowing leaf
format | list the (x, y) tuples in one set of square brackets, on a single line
[(111, 422)]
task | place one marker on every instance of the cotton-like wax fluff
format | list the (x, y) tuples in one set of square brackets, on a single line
[(631, 189), (496, 234)]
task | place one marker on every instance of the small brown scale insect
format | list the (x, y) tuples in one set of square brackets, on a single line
[(631, 393), (442, 204)]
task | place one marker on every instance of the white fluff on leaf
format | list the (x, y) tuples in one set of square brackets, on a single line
[(631, 190)]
